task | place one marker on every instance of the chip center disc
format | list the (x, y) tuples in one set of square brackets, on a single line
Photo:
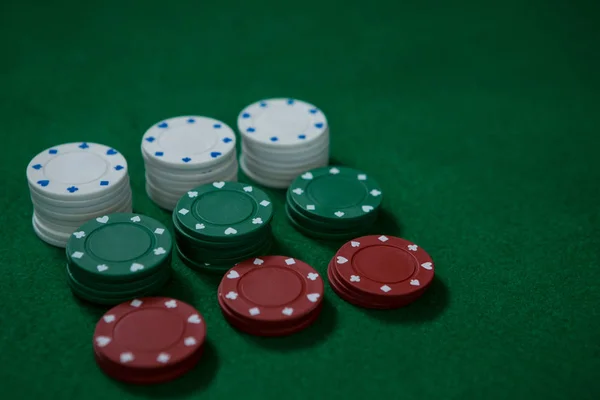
[(150, 329), (224, 207), (188, 139), (277, 121), (384, 264), (76, 168), (271, 286), (120, 242), (336, 191)]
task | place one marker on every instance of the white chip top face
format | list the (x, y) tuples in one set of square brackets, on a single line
[(282, 122), (189, 141), (75, 170)]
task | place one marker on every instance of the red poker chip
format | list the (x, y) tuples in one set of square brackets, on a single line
[(383, 266), (149, 333), (268, 329), (271, 289)]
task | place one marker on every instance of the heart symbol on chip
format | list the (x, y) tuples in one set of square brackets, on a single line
[(307, 175), (367, 208), (200, 226), (313, 297), (233, 274), (428, 266), (102, 220), (247, 188), (79, 234), (230, 231), (102, 268), (354, 244), (287, 311), (415, 282), (334, 171), (194, 319), (136, 219), (219, 185), (191, 195), (341, 260), (136, 267), (127, 357)]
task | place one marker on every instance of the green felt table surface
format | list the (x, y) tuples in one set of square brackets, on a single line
[(478, 118)]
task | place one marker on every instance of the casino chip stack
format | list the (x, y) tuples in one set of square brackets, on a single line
[(118, 257), (72, 183), (149, 340), (381, 272), (333, 203), (222, 223), (271, 296), (281, 138), (184, 152)]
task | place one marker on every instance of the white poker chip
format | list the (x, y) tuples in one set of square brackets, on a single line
[(188, 142), (282, 123), (76, 171)]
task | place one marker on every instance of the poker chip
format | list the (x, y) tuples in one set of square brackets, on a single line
[(149, 340), (184, 152), (380, 271), (333, 203), (282, 138), (221, 223), (117, 257), (72, 183), (271, 295)]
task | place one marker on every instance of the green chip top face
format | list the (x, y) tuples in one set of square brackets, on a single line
[(224, 210), (336, 193), (120, 245)]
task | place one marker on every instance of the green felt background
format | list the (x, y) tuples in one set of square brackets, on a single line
[(479, 119)]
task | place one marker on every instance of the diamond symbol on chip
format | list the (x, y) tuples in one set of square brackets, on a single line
[(298, 191), (413, 247), (385, 288), (159, 231), (163, 358), (383, 238), (190, 341), (265, 203), (109, 318), (354, 278), (77, 254), (290, 261), (136, 303), (312, 276), (334, 171), (310, 207), (126, 357), (103, 340), (254, 311), (231, 295), (362, 177), (184, 211), (415, 282), (257, 221), (375, 193), (171, 304), (287, 311)]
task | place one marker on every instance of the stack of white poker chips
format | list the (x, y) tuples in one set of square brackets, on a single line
[(281, 139), (72, 183), (185, 152)]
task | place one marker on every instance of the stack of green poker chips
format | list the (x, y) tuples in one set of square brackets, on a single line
[(333, 203), (118, 257), (219, 224)]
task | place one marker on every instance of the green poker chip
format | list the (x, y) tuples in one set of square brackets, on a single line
[(119, 247), (320, 234), (224, 211), (335, 194)]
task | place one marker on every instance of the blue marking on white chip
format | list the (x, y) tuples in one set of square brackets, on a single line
[(72, 189), (163, 125)]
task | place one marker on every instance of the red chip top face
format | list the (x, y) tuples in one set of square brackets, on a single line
[(272, 288), (384, 265), (150, 332)]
